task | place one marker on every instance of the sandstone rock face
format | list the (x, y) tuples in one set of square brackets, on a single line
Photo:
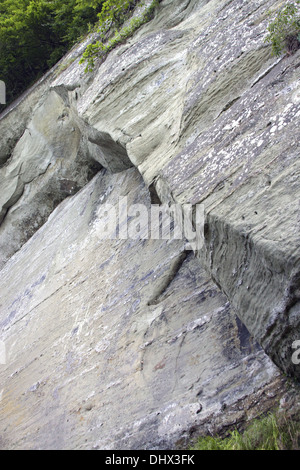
[(100, 355), (133, 342), (215, 118)]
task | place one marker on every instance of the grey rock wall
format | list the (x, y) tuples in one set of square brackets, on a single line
[(215, 116), (100, 357), (139, 343)]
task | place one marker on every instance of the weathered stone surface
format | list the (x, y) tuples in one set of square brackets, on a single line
[(136, 343), (204, 107), (99, 356), (57, 155), (49, 162), (12, 128)]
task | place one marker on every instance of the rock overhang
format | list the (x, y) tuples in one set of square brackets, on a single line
[(224, 136)]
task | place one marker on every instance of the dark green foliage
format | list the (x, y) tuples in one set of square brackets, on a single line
[(284, 30), (113, 15), (35, 34)]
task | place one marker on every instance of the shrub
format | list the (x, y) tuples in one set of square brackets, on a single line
[(284, 30), (113, 15)]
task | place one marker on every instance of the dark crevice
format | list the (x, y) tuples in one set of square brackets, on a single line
[(228, 106), (111, 154), (155, 200)]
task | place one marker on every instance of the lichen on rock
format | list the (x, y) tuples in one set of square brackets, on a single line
[(139, 344)]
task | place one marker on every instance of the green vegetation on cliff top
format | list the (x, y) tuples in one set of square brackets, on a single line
[(35, 34)]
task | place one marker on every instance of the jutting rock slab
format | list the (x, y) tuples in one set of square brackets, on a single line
[(134, 342), (99, 356)]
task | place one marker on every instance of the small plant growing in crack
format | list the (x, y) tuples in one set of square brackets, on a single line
[(284, 30)]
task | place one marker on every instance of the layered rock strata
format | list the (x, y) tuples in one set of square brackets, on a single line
[(138, 343)]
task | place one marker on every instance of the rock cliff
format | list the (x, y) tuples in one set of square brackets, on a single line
[(130, 343)]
